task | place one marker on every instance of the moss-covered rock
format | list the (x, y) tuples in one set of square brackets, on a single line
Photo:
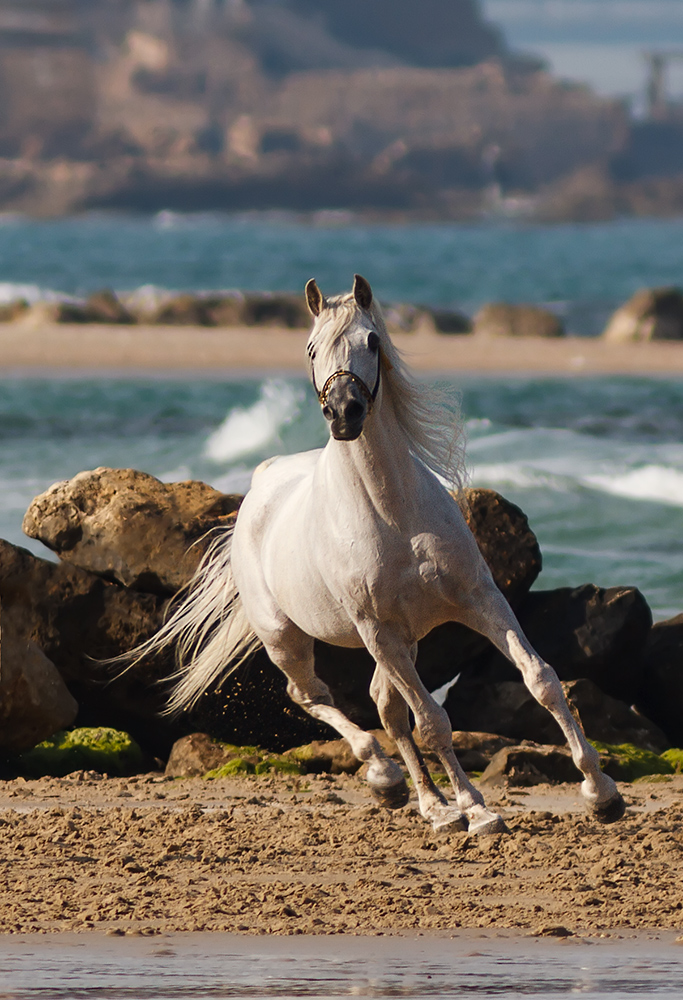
[(626, 762), (674, 756), (253, 760), (106, 750)]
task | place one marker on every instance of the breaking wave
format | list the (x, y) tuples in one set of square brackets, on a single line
[(248, 430)]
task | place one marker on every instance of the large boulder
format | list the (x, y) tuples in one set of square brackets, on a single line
[(661, 689), (507, 543), (500, 319), (508, 708), (34, 700), (78, 619), (129, 527), (650, 314), (586, 632)]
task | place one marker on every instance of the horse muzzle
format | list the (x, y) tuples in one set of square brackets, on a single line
[(345, 408)]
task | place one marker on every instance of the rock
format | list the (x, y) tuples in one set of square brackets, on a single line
[(588, 632), (660, 695), (276, 309), (105, 307), (325, 757), (475, 750), (531, 765), (196, 754), (500, 319), (650, 314), (225, 310), (184, 310), (87, 749), (233, 309), (129, 527), (625, 762), (34, 700), (510, 709), (76, 619), (507, 543), (449, 321), (10, 311)]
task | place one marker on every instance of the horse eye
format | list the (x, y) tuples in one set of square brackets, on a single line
[(373, 341)]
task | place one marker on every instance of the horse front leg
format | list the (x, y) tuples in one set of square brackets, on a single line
[(292, 651), (494, 618), (393, 713), (394, 660)]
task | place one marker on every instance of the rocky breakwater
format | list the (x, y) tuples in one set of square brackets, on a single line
[(127, 543)]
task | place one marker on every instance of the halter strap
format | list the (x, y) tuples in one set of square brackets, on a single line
[(370, 396)]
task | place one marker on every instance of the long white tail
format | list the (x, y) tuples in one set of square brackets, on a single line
[(207, 625)]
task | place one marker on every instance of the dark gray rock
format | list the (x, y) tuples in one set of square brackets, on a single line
[(34, 700), (589, 632), (509, 709), (531, 765), (661, 690)]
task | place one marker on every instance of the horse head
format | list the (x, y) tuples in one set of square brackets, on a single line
[(345, 357)]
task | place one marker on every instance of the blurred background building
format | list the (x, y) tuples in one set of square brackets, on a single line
[(373, 105)]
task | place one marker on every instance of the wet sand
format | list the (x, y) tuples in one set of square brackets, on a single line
[(76, 348), (282, 855)]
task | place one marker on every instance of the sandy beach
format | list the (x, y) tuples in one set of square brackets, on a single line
[(315, 855), (78, 348)]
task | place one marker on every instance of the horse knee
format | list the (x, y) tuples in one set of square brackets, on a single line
[(315, 693), (435, 729)]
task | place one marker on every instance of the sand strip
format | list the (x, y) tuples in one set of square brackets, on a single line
[(315, 855), (74, 348)]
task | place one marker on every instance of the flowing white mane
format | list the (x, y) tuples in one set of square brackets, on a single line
[(433, 428)]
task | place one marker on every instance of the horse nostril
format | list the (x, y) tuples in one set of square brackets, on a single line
[(353, 410), (328, 412)]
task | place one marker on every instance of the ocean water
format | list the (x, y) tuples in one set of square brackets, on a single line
[(181, 967), (581, 271), (595, 463)]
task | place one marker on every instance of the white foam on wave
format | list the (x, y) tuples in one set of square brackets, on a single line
[(246, 430), (658, 483), (11, 291), (523, 477)]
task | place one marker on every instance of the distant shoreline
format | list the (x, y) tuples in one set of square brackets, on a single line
[(128, 350)]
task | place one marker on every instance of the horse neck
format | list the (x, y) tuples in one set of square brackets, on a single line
[(378, 465)]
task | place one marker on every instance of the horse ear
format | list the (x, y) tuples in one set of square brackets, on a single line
[(315, 298), (362, 292)]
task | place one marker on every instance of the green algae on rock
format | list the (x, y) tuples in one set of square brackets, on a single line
[(101, 749), (253, 760), (626, 762)]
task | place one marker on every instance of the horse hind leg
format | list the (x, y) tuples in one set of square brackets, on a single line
[(394, 659), (292, 652), (393, 712), (502, 628)]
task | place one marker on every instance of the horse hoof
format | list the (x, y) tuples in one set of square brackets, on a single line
[(449, 821), (611, 811), (487, 827), (391, 796)]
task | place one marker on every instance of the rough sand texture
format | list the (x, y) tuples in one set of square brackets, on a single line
[(66, 348), (315, 856)]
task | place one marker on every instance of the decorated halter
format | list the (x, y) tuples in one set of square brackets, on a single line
[(370, 395)]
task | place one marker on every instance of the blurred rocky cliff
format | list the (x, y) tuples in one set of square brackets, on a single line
[(383, 105)]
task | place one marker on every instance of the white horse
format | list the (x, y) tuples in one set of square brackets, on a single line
[(360, 544)]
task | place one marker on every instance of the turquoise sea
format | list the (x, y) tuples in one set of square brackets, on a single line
[(596, 463)]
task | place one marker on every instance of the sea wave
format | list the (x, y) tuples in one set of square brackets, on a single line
[(247, 430), (657, 483)]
